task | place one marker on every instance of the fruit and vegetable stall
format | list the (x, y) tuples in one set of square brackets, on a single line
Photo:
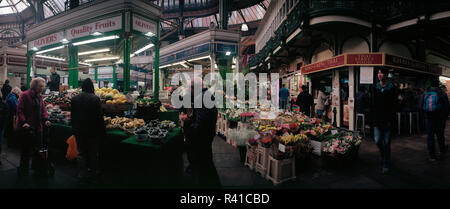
[(148, 146)]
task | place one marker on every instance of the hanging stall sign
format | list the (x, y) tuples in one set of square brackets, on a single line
[(102, 26), (365, 59), (144, 26), (46, 40), (401, 62), (334, 62)]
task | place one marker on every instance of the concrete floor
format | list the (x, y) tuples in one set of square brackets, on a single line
[(410, 169)]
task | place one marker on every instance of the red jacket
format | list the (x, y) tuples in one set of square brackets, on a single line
[(25, 111)]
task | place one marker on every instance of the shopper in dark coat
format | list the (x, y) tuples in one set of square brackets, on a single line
[(6, 89), (3, 116), (32, 115), (305, 101), (203, 128), (11, 106), (435, 118), (383, 108), (89, 128), (54, 80)]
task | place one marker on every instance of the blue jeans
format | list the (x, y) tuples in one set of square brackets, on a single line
[(383, 142), (435, 127), (283, 103)]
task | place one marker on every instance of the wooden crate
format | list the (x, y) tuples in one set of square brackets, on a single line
[(250, 158), (262, 158), (279, 171)]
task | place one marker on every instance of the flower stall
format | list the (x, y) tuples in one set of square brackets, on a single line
[(285, 141)]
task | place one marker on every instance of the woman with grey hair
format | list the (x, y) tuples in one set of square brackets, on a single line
[(32, 115)]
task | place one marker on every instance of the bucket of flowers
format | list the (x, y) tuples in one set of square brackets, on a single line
[(341, 151)]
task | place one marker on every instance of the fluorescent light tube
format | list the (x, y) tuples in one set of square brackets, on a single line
[(96, 40), (96, 33), (94, 51), (199, 58), (144, 48), (102, 59), (52, 58), (49, 50)]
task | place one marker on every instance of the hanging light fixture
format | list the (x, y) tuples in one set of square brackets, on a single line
[(244, 27)]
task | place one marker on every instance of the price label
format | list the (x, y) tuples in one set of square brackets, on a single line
[(285, 134), (257, 136), (333, 132), (281, 147)]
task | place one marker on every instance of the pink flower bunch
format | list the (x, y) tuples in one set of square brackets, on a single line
[(336, 146)]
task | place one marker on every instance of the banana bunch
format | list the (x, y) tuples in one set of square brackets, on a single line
[(264, 128), (162, 109)]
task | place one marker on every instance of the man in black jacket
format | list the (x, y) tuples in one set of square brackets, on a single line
[(89, 128), (6, 89), (435, 118), (383, 107), (54, 80), (203, 130), (305, 101)]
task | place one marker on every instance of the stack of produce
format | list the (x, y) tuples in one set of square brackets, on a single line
[(155, 131), (56, 115), (147, 109), (63, 99), (126, 124), (111, 96)]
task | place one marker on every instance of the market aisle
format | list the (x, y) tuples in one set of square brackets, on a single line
[(410, 169)]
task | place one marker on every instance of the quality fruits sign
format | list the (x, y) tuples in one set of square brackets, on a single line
[(106, 25), (143, 26), (46, 40)]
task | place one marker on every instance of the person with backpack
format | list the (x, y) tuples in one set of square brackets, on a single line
[(435, 106), (383, 107)]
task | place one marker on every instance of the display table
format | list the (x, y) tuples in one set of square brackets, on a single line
[(176, 132), (128, 163)]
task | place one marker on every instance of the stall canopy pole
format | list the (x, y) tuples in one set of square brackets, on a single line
[(73, 63), (114, 77), (126, 65), (96, 74), (156, 70), (29, 69)]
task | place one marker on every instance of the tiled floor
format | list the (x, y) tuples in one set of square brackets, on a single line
[(410, 169)]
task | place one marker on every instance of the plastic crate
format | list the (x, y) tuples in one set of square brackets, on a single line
[(250, 158), (262, 157), (280, 171)]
